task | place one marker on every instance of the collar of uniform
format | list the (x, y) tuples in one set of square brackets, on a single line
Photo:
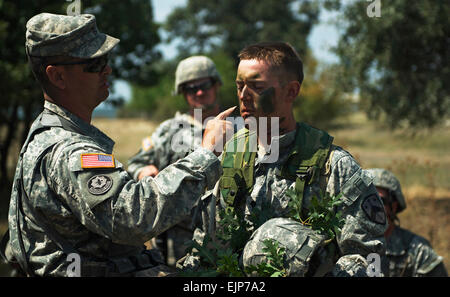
[(283, 142), (395, 245), (85, 128)]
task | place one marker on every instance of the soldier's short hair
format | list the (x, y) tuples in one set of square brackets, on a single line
[(280, 55), (38, 67)]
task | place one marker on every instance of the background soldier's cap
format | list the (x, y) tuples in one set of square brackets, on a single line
[(385, 179), (193, 68), (75, 36)]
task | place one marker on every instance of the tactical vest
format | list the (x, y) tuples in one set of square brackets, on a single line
[(304, 164)]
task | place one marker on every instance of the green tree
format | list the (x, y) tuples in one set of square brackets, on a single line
[(320, 101), (131, 21), (230, 25), (398, 62)]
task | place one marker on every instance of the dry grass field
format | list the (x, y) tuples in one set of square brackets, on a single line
[(421, 162)]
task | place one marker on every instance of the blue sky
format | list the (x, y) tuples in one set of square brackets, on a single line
[(322, 37)]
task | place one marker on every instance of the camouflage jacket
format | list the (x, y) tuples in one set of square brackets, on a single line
[(94, 205), (171, 141), (365, 220), (411, 255)]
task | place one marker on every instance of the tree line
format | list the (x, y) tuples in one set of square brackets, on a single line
[(396, 63)]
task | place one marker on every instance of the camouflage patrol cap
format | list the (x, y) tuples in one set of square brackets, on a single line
[(192, 68), (74, 36), (386, 179), (299, 241)]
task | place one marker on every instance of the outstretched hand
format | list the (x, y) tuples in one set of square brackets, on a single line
[(218, 131)]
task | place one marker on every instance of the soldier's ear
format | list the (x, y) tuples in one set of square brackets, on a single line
[(292, 90), (55, 76)]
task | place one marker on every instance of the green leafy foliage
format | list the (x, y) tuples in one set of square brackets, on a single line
[(274, 265), (295, 205), (228, 263), (322, 215), (397, 62), (221, 258), (320, 102), (233, 229), (229, 25)]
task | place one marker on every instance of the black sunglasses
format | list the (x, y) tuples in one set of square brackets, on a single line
[(94, 65), (192, 89)]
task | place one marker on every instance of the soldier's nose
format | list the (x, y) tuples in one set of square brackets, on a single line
[(199, 92)]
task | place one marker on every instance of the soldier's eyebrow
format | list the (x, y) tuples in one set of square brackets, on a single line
[(250, 77)]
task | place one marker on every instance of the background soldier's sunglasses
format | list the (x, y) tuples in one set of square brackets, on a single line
[(192, 89), (94, 65)]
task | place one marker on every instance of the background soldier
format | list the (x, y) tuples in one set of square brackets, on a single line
[(407, 254), (198, 80), (268, 80), (69, 194)]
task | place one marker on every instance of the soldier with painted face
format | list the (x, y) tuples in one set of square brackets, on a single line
[(407, 254), (198, 80), (269, 78), (70, 196)]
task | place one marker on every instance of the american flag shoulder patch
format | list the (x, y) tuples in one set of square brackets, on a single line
[(97, 161)]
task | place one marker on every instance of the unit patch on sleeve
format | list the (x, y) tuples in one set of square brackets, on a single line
[(97, 161), (147, 143), (99, 184), (374, 209)]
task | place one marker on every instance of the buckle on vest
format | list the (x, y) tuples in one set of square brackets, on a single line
[(306, 174)]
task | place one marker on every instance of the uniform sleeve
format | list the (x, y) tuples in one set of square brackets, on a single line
[(362, 209), (426, 261), (110, 203)]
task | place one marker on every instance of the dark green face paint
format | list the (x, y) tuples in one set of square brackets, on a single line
[(265, 101)]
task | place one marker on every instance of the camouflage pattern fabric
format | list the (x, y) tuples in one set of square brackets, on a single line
[(75, 36), (385, 179), (172, 140), (102, 212), (160, 150), (410, 255), (351, 266), (300, 244), (363, 231), (193, 68)]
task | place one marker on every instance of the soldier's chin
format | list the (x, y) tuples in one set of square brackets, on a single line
[(102, 98)]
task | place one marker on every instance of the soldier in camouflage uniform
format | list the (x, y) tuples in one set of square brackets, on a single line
[(407, 254), (268, 80), (70, 196), (198, 80)]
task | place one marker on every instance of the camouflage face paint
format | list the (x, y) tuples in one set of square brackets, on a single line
[(265, 101)]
